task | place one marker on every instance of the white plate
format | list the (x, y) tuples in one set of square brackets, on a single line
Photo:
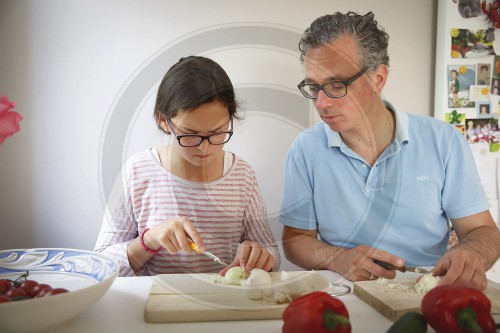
[(87, 275)]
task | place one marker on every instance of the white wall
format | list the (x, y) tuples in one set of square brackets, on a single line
[(84, 74)]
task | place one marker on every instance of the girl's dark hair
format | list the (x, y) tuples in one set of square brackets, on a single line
[(191, 82)]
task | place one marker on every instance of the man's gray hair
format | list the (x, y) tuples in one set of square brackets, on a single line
[(372, 40)]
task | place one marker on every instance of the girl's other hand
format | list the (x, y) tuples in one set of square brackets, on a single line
[(251, 255)]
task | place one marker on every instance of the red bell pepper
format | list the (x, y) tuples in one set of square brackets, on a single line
[(316, 312), (457, 309)]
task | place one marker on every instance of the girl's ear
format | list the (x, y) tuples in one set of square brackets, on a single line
[(163, 124), (165, 127)]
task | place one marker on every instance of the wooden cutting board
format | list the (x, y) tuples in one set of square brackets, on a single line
[(393, 303), (196, 297)]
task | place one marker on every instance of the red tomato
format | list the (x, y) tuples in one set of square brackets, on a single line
[(4, 286), (16, 293), (43, 292), (54, 291), (28, 285), (38, 289), (4, 299)]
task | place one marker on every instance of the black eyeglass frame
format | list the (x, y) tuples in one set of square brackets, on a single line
[(202, 137), (345, 83)]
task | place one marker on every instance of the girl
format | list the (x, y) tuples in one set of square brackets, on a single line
[(190, 189)]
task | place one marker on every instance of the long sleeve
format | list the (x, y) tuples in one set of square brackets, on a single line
[(256, 226), (118, 227)]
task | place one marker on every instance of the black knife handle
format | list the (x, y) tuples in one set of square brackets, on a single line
[(388, 266)]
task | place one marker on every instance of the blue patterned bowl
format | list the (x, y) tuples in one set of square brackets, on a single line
[(86, 274)]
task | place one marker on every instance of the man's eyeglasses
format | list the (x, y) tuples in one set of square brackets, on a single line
[(335, 89), (193, 140)]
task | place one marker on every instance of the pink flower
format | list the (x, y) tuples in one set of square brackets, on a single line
[(9, 120)]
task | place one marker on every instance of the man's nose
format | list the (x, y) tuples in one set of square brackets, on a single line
[(323, 101)]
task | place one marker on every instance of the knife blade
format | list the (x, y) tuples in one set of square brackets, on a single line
[(403, 269), (208, 254)]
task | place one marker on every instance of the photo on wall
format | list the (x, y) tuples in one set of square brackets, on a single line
[(466, 10), (483, 74), (495, 89), (482, 130), (460, 78), (484, 109), (495, 80), (471, 44)]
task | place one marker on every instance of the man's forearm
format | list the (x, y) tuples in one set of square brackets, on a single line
[(308, 252), (485, 243)]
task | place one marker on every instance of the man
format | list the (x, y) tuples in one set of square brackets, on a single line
[(376, 183)]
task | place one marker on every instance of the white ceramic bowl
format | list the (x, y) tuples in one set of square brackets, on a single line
[(86, 274)]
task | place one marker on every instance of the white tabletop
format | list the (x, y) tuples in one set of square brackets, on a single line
[(121, 309)]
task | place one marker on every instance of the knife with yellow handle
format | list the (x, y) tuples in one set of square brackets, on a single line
[(403, 269), (208, 254)]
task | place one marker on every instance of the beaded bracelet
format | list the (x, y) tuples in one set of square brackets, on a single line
[(144, 246)]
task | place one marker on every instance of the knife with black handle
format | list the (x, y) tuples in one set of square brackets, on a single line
[(402, 269)]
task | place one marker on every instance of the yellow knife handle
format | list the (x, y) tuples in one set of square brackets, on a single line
[(193, 246)]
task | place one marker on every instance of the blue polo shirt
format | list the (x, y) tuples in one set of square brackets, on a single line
[(401, 204)]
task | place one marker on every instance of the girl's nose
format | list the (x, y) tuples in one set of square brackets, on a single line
[(203, 146)]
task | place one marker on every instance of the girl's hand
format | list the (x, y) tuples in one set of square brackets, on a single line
[(173, 235), (251, 255)]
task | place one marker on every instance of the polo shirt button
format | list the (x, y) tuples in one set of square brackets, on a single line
[(363, 165)]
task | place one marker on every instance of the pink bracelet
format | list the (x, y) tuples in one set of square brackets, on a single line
[(144, 246)]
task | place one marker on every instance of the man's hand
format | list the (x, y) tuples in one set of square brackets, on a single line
[(476, 252), (303, 248), (462, 267), (357, 264)]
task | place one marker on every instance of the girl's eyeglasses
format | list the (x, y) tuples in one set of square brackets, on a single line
[(193, 140)]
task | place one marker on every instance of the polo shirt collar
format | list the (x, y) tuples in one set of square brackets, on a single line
[(402, 123), (402, 128)]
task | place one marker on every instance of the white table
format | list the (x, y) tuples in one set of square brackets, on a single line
[(121, 309)]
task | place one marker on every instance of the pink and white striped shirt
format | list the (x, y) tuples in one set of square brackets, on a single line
[(225, 212)]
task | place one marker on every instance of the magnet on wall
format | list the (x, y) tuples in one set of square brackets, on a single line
[(492, 12)]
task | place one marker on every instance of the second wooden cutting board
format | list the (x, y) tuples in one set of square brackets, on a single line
[(393, 303)]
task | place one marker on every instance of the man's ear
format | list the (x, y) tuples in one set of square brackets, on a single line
[(380, 77)]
